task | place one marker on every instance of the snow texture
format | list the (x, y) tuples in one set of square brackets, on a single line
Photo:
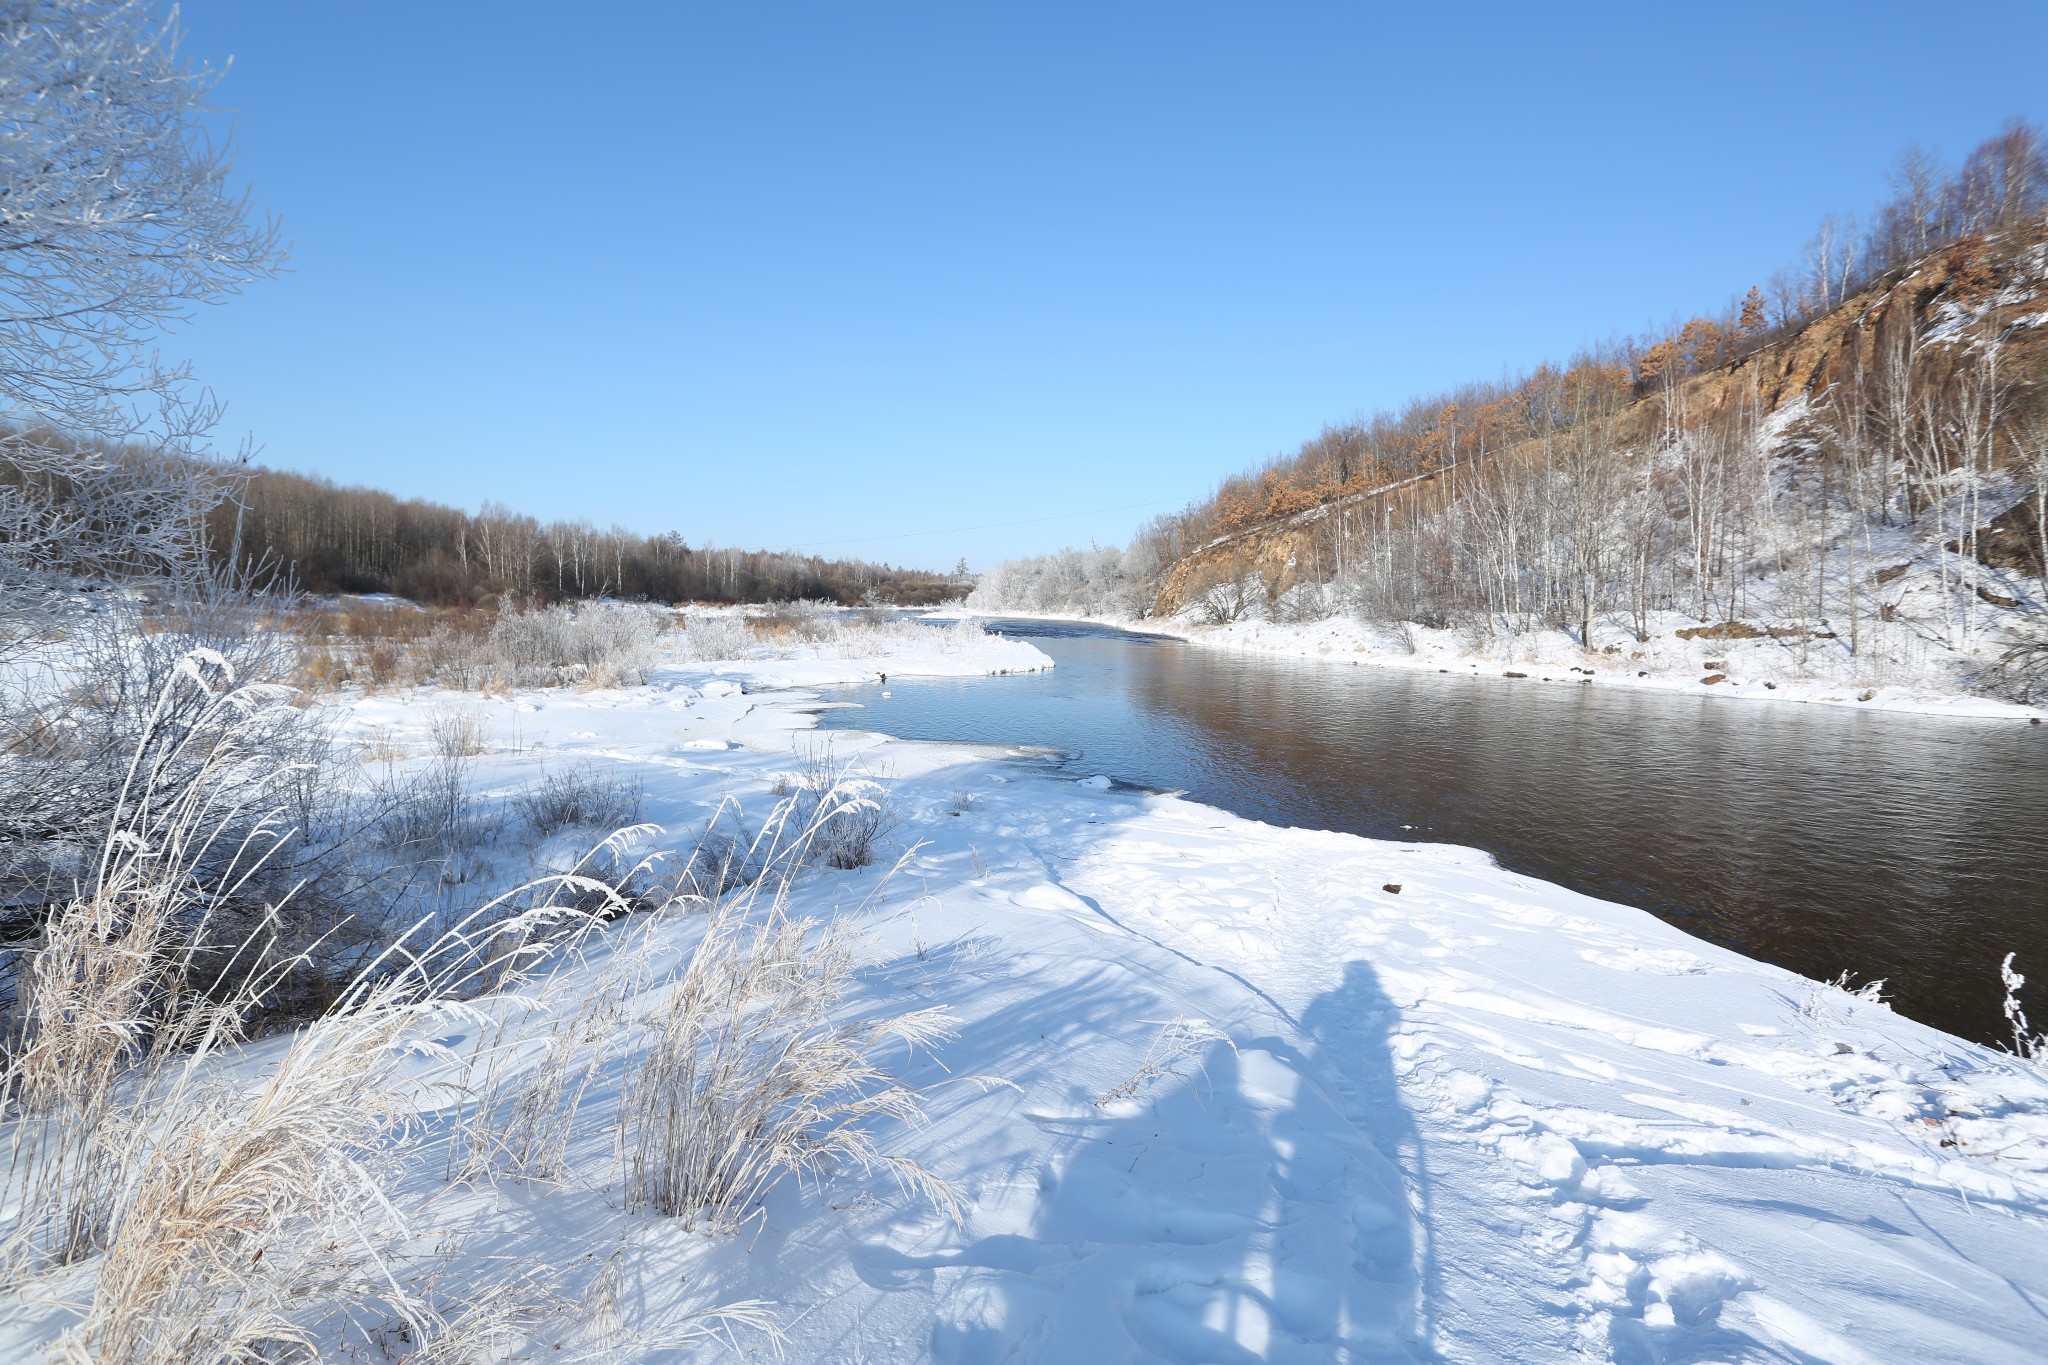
[(1287, 1095), (1765, 669)]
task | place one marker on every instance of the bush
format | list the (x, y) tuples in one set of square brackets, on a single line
[(598, 646), (2020, 673), (113, 726), (580, 797), (710, 639), (845, 813), (430, 815), (810, 622)]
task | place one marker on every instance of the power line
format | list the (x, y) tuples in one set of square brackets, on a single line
[(987, 526)]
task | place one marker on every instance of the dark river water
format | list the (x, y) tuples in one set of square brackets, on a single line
[(1820, 838)]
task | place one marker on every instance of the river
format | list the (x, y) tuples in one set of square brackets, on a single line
[(1913, 849)]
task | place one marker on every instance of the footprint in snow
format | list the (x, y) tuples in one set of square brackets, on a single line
[(1656, 961)]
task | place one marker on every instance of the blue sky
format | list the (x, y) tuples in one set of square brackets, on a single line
[(872, 278)]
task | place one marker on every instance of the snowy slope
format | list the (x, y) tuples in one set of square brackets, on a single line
[(1427, 1110), (1480, 1118), (1918, 676)]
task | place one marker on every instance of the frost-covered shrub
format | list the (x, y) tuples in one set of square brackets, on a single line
[(1102, 580), (580, 797), (430, 815), (75, 713), (844, 814), (453, 655), (2020, 673), (596, 645), (709, 639)]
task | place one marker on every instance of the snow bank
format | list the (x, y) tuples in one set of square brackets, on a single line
[(1459, 1112), (1272, 1094), (1760, 668), (1764, 668)]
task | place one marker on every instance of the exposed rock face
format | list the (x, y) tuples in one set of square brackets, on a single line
[(2012, 540), (1994, 286)]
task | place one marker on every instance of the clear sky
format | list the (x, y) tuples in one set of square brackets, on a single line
[(870, 277)]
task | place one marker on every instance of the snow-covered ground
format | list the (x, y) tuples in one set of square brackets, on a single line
[(1282, 1095), (1915, 675), (1761, 669)]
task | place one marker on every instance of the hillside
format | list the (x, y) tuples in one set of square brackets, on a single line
[(1845, 486), (1959, 302)]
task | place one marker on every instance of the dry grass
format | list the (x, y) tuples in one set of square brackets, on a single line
[(458, 731), (381, 744), (809, 622), (137, 968), (580, 797), (747, 1077), (1178, 1039), (235, 1206), (375, 646), (217, 1211), (846, 811), (247, 1208), (738, 1071)]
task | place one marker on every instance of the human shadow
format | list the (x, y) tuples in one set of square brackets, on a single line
[(1243, 1211), (1260, 1197), (1255, 1195)]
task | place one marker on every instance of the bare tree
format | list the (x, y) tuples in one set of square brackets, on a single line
[(116, 219)]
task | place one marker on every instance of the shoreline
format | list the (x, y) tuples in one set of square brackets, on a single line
[(1218, 1089), (1541, 1055), (1745, 667)]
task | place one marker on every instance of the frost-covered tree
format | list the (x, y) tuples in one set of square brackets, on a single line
[(117, 219)]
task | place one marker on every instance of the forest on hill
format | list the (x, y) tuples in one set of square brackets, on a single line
[(333, 539), (1871, 418)]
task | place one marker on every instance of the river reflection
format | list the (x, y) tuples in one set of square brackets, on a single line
[(1820, 838)]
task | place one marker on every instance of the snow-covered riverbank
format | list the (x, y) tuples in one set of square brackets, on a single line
[(1757, 666), (1446, 1112), (1458, 1113), (1270, 1094)]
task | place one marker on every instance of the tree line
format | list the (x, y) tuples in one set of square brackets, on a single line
[(330, 538)]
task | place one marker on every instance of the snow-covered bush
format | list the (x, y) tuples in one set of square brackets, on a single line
[(593, 645), (747, 1076), (2020, 672), (115, 723), (580, 797), (712, 638), (844, 813), (1098, 581)]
